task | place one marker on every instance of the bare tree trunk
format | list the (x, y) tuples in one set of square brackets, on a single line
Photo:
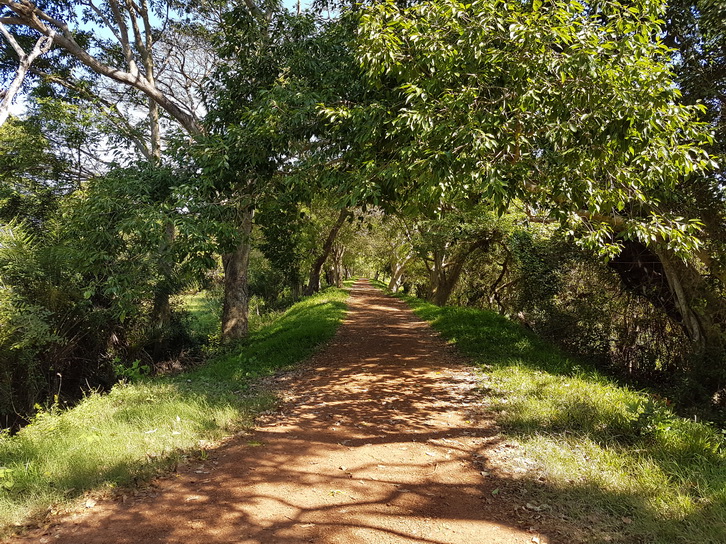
[(236, 291), (397, 271), (155, 132), (338, 253), (313, 285)]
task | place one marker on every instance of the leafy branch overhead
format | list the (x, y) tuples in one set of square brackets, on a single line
[(567, 107)]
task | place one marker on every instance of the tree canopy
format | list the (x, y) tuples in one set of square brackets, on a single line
[(570, 109), (481, 153)]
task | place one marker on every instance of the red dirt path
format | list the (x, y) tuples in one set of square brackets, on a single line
[(377, 441)]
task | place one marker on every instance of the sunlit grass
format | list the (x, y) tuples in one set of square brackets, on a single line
[(204, 309), (616, 462), (139, 428)]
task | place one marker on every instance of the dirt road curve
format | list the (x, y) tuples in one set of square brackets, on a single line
[(375, 443)]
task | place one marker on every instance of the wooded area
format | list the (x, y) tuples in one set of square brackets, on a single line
[(555, 161)]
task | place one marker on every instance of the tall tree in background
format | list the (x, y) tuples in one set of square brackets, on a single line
[(134, 37), (263, 121)]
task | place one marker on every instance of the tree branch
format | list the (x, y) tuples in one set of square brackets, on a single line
[(32, 17), (43, 45), (105, 20)]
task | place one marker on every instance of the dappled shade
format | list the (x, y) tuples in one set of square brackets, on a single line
[(378, 441)]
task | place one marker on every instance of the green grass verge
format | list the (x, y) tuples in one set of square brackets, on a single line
[(140, 428), (614, 461)]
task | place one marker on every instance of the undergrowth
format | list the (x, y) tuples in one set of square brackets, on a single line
[(616, 461), (139, 428)]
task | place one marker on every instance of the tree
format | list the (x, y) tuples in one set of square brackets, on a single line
[(571, 110), (25, 60), (131, 26), (392, 246), (445, 243), (568, 110), (136, 247), (324, 251), (264, 123)]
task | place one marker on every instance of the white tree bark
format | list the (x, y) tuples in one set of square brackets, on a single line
[(43, 45), (25, 13)]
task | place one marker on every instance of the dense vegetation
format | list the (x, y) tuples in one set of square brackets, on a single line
[(555, 161)]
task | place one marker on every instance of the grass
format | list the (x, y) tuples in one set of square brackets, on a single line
[(140, 428), (204, 309), (614, 461)]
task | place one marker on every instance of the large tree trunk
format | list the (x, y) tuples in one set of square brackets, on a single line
[(682, 292), (313, 285), (397, 271), (445, 274), (236, 291)]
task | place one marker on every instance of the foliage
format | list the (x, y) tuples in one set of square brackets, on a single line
[(76, 133), (133, 240), (696, 29), (52, 337), (570, 108), (542, 279), (282, 225), (87, 290), (260, 102), (28, 171)]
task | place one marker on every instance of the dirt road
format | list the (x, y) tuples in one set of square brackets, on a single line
[(376, 442)]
